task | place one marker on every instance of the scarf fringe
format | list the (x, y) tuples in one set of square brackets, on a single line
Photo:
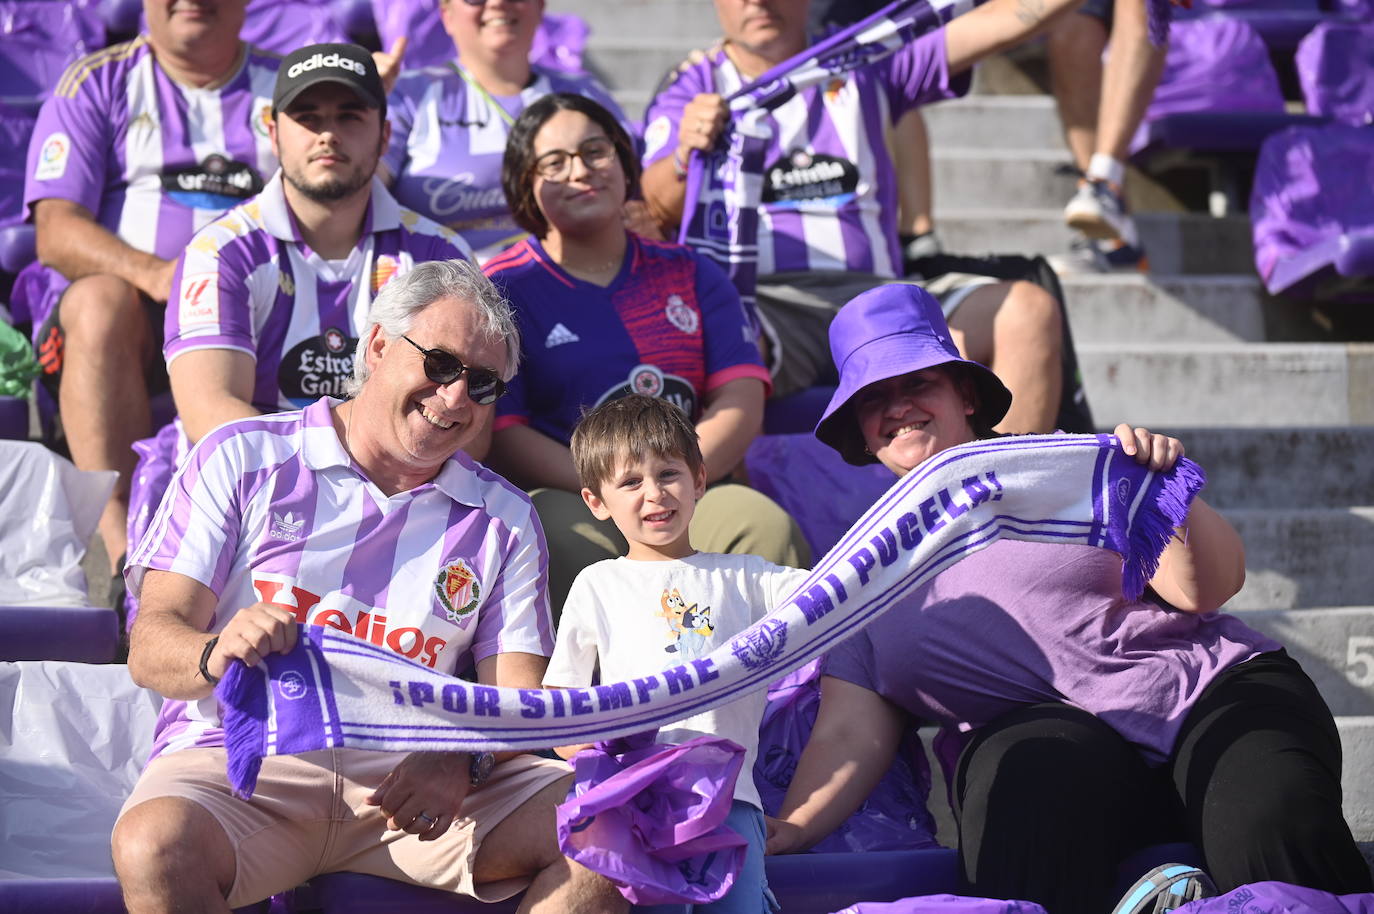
[(1165, 508), (242, 697)]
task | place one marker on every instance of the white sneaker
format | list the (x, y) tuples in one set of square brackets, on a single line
[(1088, 256), (1098, 211)]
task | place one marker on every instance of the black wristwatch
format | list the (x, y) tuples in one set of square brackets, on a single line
[(479, 767)]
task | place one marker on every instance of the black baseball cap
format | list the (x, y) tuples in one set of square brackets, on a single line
[(347, 64)]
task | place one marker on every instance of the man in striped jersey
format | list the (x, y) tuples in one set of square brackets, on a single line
[(828, 220), (269, 300), (363, 516), (140, 145)]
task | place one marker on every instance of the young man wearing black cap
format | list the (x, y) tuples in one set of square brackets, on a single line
[(268, 300)]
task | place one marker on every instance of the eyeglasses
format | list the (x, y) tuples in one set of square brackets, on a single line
[(484, 385), (556, 164)]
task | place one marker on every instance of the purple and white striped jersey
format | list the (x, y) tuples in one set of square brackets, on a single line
[(248, 282), (829, 185), (448, 137), (151, 159), (273, 509)]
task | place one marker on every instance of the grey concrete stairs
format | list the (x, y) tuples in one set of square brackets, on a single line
[(1283, 425)]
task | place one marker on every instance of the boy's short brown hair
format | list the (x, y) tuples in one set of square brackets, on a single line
[(629, 429)]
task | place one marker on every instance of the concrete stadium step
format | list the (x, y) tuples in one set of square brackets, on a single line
[(1335, 647), (1230, 384), (1009, 122), (628, 19), (1277, 468), (639, 64), (1174, 242), (1161, 309), (1297, 558), (969, 176)]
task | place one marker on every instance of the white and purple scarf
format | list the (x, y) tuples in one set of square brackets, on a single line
[(334, 690), (725, 186)]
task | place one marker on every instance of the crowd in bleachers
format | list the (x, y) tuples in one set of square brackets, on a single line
[(223, 211)]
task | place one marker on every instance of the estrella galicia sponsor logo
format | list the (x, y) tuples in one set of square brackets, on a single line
[(761, 646), (805, 176), (216, 183), (650, 381), (318, 366)]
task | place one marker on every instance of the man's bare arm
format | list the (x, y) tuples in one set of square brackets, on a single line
[(169, 636), (71, 242), (211, 387), (998, 25)]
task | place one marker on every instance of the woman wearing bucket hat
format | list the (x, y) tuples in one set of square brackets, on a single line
[(1078, 729)]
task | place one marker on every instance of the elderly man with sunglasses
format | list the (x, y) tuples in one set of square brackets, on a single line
[(268, 301), (361, 515)]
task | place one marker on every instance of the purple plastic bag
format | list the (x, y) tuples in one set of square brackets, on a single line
[(651, 818), (1292, 208), (158, 459), (1214, 64), (946, 904), (894, 817), (1336, 71), (1280, 898)]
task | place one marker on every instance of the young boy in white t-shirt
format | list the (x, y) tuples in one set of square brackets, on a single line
[(664, 603)]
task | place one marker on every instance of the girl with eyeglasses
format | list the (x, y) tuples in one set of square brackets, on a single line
[(604, 312), (449, 123)]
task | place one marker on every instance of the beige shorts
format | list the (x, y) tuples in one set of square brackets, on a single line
[(307, 817)]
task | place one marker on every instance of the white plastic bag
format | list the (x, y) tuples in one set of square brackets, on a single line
[(73, 739), (48, 513)]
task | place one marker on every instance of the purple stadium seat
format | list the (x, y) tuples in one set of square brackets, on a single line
[(285, 25), (89, 896), (798, 413), (17, 247), (38, 38), (17, 117), (1308, 240), (1336, 70), (803, 884), (86, 634), (14, 418)]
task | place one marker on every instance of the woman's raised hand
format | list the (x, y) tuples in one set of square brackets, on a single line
[(1158, 452)]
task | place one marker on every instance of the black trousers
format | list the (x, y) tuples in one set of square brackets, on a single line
[(1050, 800)]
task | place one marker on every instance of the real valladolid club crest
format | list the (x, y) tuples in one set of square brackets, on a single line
[(457, 589)]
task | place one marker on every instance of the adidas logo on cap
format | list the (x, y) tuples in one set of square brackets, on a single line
[(317, 60)]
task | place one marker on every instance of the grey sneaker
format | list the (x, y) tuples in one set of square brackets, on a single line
[(1098, 211), (1088, 256), (1164, 888)]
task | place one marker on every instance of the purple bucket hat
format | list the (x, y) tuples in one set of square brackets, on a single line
[(884, 333)]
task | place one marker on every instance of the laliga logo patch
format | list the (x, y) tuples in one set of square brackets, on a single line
[(333, 60), (761, 647), (682, 315), (458, 591), (383, 272), (199, 300), (292, 686), (52, 157)]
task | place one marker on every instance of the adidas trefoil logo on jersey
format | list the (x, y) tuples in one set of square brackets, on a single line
[(286, 526), (560, 335)]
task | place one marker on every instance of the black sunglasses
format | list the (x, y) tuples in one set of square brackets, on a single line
[(484, 385)]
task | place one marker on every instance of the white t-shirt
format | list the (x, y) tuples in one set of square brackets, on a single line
[(634, 617)]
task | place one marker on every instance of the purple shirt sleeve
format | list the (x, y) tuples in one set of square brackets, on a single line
[(664, 113), (211, 306), (852, 660), (919, 74), (70, 149)]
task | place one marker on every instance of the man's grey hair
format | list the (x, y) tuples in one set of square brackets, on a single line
[(395, 308)]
